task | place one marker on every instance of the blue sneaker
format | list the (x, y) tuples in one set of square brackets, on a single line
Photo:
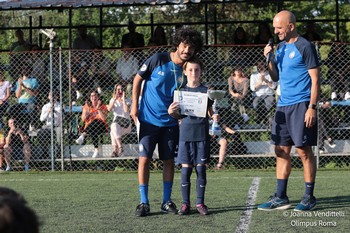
[(275, 203), (307, 203)]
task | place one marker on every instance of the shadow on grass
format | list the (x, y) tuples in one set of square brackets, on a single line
[(335, 202)]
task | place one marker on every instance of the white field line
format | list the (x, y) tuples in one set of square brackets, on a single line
[(246, 215)]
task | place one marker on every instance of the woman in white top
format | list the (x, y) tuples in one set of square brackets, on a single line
[(120, 107), (5, 91)]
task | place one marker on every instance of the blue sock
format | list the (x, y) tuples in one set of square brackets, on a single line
[(281, 188), (201, 182), (309, 188), (167, 189), (186, 184), (143, 188)]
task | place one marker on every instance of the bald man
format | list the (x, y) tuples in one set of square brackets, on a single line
[(296, 66)]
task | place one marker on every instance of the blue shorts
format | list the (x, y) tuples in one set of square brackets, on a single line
[(193, 152), (288, 127), (167, 139)]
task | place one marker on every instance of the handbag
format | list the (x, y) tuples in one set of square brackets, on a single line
[(122, 121)]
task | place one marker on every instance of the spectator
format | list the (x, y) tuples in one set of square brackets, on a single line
[(26, 93), (338, 63), (264, 34), (18, 57), (21, 44), (5, 91), (44, 134), (120, 106), (127, 67), (324, 120), (238, 86), (85, 41), (81, 80), (133, 38), (101, 71), (16, 146), (240, 36), (2, 144), (263, 91), (311, 32), (94, 116), (229, 142), (158, 37)]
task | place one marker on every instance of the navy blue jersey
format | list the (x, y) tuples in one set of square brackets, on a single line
[(193, 128), (162, 77), (293, 62)]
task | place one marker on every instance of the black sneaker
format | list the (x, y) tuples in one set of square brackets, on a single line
[(168, 207), (142, 210)]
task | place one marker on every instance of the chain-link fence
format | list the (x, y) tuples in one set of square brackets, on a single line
[(31, 139)]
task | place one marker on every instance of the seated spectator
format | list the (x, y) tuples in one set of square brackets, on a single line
[(18, 55), (133, 38), (264, 34), (238, 86), (81, 80), (26, 93), (120, 107), (16, 146), (338, 63), (240, 36), (101, 69), (324, 121), (94, 116), (229, 142), (263, 91), (2, 144), (15, 215), (5, 91), (158, 37), (44, 134), (127, 67), (85, 41)]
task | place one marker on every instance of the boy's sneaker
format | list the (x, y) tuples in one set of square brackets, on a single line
[(347, 96), (80, 139), (331, 143), (333, 95), (8, 168), (202, 209), (185, 209), (168, 207), (307, 203), (26, 167), (142, 210), (275, 203)]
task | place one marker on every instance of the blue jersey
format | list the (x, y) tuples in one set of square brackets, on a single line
[(162, 77), (194, 129), (293, 62)]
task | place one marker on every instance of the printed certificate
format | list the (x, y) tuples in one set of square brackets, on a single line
[(192, 103)]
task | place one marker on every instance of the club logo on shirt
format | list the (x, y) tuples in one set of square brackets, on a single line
[(291, 55), (143, 67)]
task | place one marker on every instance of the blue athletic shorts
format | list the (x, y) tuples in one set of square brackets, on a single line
[(167, 139), (288, 127), (193, 152)]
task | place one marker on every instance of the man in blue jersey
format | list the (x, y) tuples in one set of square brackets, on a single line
[(162, 74), (296, 66)]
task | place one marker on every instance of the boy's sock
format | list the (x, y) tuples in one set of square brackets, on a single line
[(309, 188), (201, 182), (167, 189), (186, 184)]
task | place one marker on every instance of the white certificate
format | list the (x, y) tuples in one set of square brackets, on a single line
[(192, 103)]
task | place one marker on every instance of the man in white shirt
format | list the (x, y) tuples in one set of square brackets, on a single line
[(263, 88)]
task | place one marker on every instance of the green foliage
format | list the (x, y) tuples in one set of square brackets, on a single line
[(223, 19)]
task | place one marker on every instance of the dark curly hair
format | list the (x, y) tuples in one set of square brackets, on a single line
[(188, 36)]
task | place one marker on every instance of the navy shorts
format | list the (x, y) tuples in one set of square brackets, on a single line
[(288, 127), (193, 152), (167, 139)]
